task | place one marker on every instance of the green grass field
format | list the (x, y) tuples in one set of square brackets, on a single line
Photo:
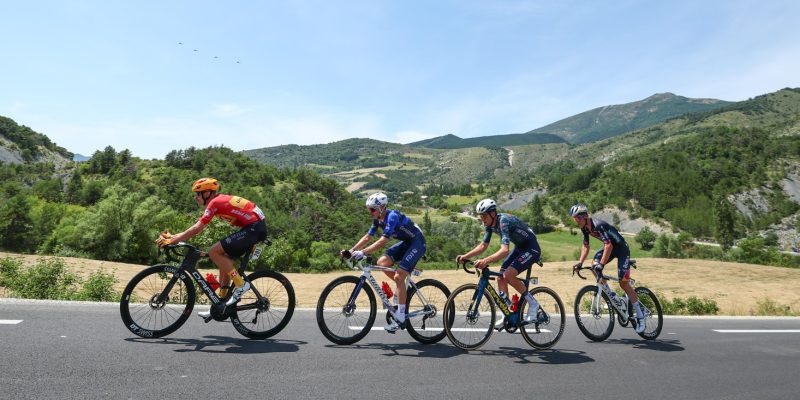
[(564, 246)]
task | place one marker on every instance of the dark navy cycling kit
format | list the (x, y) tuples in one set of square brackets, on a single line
[(605, 232), (526, 247), (411, 247)]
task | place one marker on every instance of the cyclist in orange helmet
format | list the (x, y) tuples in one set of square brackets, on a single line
[(238, 212)]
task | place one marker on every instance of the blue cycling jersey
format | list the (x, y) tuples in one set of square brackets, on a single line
[(604, 231), (511, 229), (396, 225)]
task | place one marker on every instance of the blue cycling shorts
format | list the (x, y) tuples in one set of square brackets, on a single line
[(522, 257), (623, 256), (406, 254)]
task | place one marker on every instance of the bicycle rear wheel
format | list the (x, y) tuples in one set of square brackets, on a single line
[(344, 322), (468, 323), (596, 321), (261, 318), (654, 319), (428, 302), (544, 335), (157, 301)]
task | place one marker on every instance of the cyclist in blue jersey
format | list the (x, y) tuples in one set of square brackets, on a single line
[(614, 246), (405, 254), (526, 252)]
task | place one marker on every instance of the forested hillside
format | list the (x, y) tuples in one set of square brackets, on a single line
[(112, 207), (18, 143), (690, 170)]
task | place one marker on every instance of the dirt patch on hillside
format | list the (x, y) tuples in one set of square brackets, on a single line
[(737, 288)]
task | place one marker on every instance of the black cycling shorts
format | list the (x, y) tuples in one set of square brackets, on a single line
[(238, 243)]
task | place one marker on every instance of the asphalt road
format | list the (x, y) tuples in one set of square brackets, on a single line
[(82, 350)]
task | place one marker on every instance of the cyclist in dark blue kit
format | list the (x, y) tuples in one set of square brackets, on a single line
[(405, 253), (614, 246), (526, 252)]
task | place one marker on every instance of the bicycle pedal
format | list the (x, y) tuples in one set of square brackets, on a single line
[(208, 319)]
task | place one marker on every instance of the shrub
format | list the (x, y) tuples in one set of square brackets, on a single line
[(99, 287), (690, 306), (48, 279), (646, 238), (769, 307)]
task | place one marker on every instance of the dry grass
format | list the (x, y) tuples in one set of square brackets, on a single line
[(737, 288)]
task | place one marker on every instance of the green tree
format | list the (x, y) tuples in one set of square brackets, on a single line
[(646, 238), (724, 223), (16, 224), (536, 218), (426, 222)]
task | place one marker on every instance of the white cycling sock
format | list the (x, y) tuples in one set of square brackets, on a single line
[(401, 313), (638, 308), (534, 305)]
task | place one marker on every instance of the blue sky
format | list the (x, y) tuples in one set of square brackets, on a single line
[(94, 73)]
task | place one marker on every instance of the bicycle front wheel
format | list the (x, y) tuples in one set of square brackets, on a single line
[(343, 321), (595, 318), (157, 301), (468, 321), (267, 307), (545, 334), (423, 308), (651, 307)]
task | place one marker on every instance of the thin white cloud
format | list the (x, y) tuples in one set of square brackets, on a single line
[(228, 110)]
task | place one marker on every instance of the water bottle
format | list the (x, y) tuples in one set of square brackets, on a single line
[(623, 303), (614, 298), (212, 281), (386, 289), (505, 299)]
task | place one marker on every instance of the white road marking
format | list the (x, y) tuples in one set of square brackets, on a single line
[(757, 330), (10, 321), (375, 328)]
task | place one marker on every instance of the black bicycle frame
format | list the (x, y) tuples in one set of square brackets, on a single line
[(190, 259)]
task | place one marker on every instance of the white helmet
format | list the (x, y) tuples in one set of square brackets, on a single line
[(377, 200), (579, 208), (485, 206)]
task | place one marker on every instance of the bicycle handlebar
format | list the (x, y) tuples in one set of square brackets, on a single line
[(578, 270), (171, 252)]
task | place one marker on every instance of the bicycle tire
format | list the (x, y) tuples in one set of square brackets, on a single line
[(262, 319), (436, 294), (335, 321), (153, 319), (460, 322), (596, 326), (543, 336), (649, 303)]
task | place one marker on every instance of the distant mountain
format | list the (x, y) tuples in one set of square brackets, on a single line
[(515, 139), (608, 121), (79, 157), (20, 144)]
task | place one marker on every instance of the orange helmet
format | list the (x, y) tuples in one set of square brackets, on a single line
[(204, 184)]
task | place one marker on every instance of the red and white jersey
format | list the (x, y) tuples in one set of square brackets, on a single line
[(236, 210)]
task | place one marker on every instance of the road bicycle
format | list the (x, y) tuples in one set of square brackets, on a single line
[(469, 315), (595, 309), (346, 309), (159, 299)]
